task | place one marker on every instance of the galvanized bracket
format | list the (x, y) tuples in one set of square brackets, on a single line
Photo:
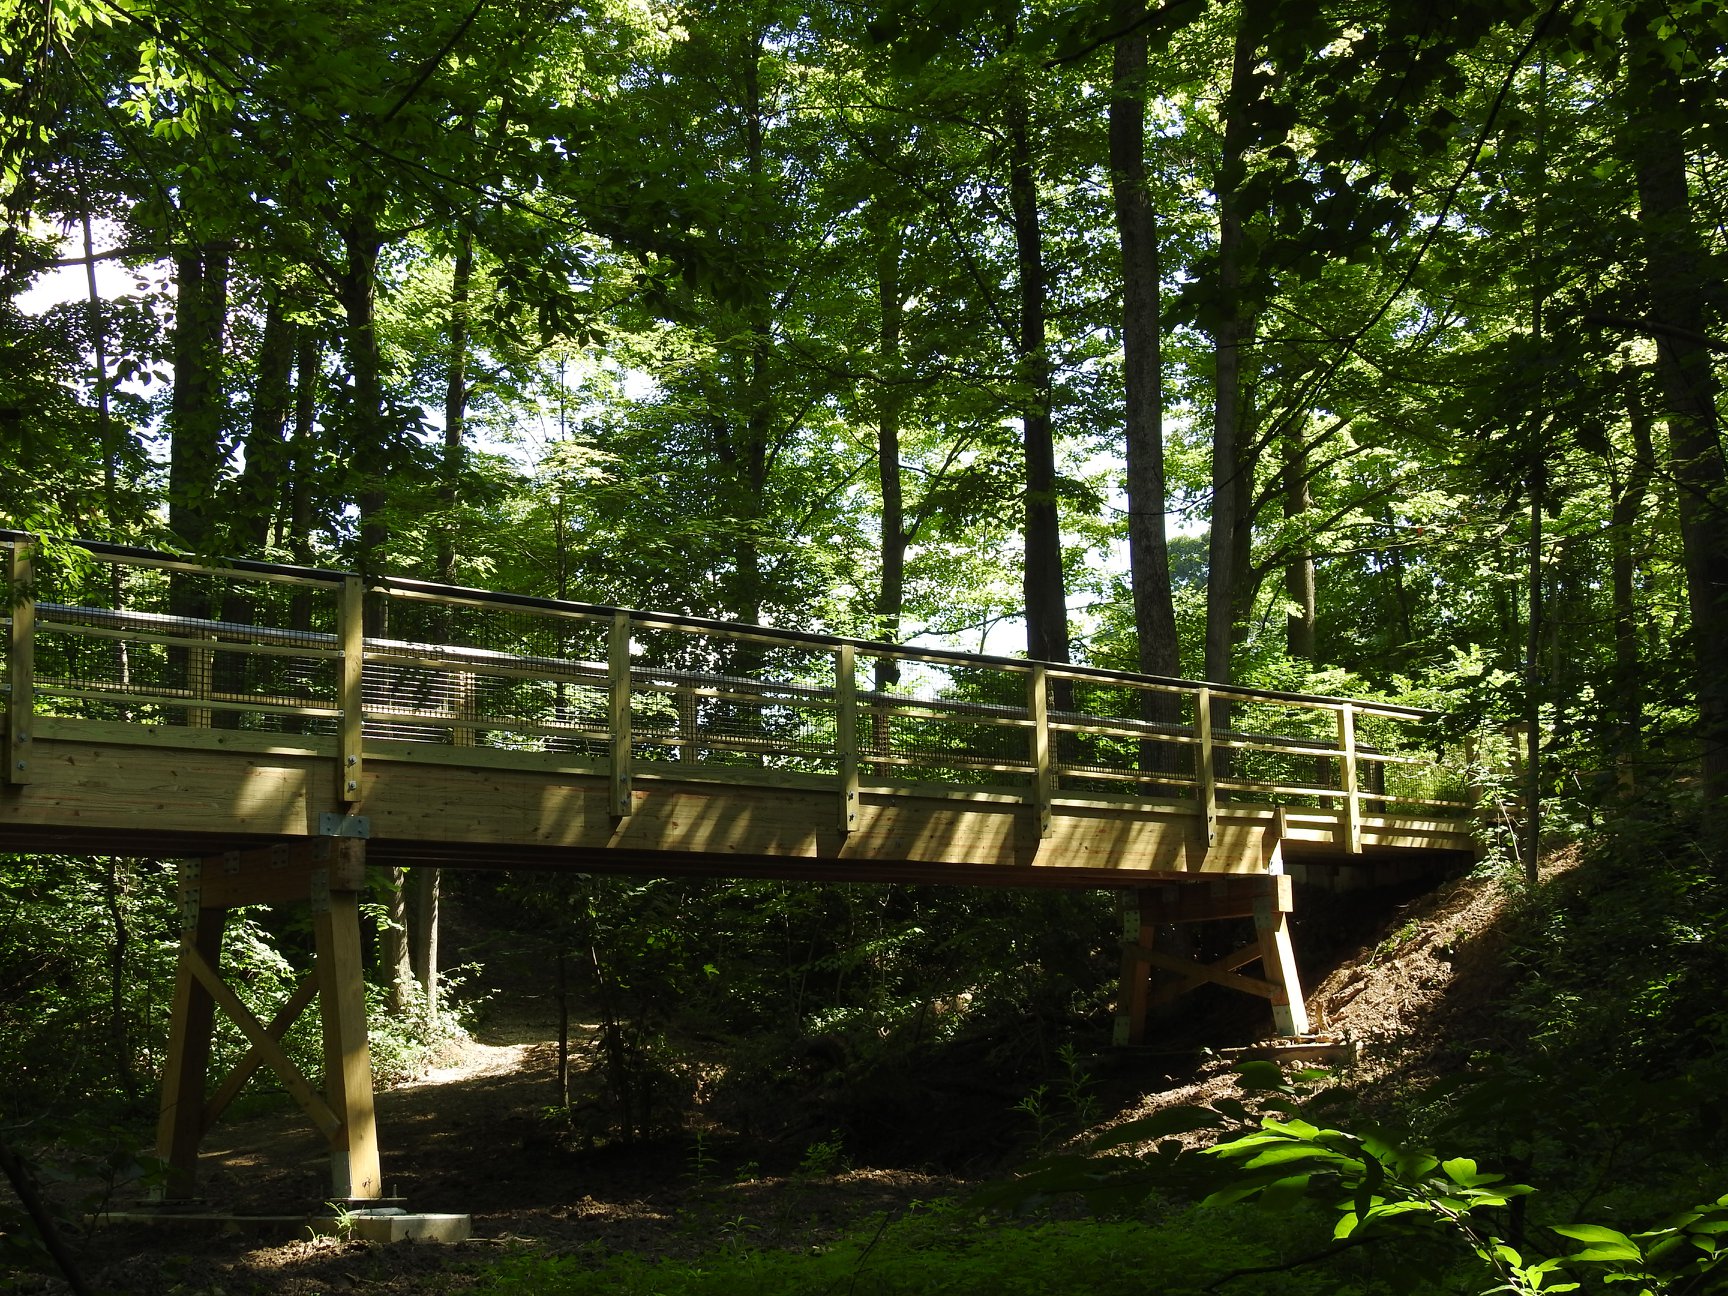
[(336, 824)]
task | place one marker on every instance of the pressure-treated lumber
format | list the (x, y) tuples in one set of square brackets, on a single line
[(328, 874), (355, 1173), (192, 1019)]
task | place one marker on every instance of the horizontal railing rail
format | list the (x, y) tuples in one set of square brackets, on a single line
[(148, 638)]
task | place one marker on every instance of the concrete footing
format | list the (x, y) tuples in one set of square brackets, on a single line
[(388, 1224)]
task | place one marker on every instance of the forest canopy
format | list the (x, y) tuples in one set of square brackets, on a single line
[(1320, 345)]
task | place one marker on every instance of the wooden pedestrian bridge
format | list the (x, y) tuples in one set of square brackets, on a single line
[(281, 728)]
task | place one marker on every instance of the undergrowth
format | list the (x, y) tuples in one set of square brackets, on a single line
[(949, 1249)]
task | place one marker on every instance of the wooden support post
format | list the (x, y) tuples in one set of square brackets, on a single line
[(618, 681), (21, 665), (846, 733), (351, 634), (1278, 957), (1043, 774), (1135, 988), (1350, 793), (1208, 772), (354, 1169), (191, 1024)]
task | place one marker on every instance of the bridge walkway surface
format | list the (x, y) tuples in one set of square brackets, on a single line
[(280, 729)]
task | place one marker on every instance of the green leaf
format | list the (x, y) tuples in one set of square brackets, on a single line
[(1603, 1244), (1293, 1153), (1462, 1171)]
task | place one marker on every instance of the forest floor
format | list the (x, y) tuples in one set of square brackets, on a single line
[(1409, 979)]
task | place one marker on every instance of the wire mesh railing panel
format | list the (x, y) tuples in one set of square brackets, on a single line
[(448, 672), (937, 722), (152, 646), (757, 703), (1120, 737)]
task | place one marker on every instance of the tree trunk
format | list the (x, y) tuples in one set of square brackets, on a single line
[(99, 377), (395, 963), (891, 598), (1232, 337), (1677, 277), (1628, 506), (195, 408), (1143, 395), (1044, 586), (260, 485), (297, 514), (428, 897), (119, 1029), (368, 430), (1299, 585), (455, 402)]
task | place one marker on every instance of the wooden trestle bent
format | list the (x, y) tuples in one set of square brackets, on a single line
[(327, 874), (326, 721)]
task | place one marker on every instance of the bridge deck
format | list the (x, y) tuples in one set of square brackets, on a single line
[(162, 705)]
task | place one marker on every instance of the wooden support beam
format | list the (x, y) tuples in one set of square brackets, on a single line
[(618, 678), (846, 733), (354, 1168), (191, 1024), (247, 1067), (1219, 898), (1351, 795), (1135, 985), (1206, 757), (1278, 958), (21, 666), (1043, 774), (267, 1045), (1217, 973), (351, 636), (284, 873)]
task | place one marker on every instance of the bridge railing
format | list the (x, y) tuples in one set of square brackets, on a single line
[(135, 637)]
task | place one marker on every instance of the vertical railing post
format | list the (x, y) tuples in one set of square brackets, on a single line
[(351, 638), (618, 684), (1208, 771), (688, 752), (200, 674), (466, 708), (21, 665), (846, 732), (1349, 792), (1043, 776)]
